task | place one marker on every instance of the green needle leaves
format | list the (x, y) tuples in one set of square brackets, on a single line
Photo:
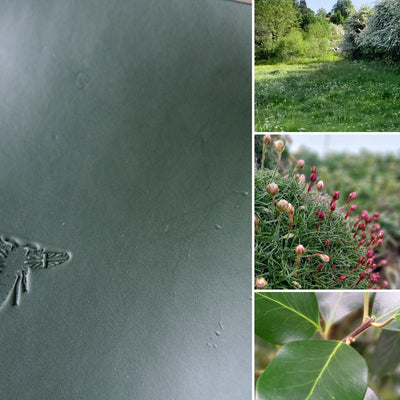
[(283, 317), (310, 370)]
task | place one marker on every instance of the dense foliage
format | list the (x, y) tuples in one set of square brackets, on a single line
[(288, 30), (327, 345), (376, 34)]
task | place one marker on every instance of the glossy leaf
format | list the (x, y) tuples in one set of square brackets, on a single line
[(336, 305), (284, 317), (386, 356), (314, 369), (386, 305)]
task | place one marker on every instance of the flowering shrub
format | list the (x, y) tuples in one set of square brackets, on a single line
[(304, 239)]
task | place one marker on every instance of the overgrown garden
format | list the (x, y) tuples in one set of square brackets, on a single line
[(327, 71)]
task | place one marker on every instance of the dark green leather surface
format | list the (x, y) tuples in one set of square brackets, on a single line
[(125, 133)]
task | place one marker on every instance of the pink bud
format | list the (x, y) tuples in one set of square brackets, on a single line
[(333, 267), (384, 284), (282, 205), (300, 250), (364, 214), (352, 196), (279, 146), (319, 266), (324, 257), (335, 196), (321, 215), (261, 283), (383, 263), (272, 188), (376, 227), (314, 169), (267, 140), (375, 277), (327, 242), (342, 278), (320, 185), (299, 164), (333, 206), (313, 177), (370, 253), (301, 178), (376, 216), (381, 234), (352, 208)]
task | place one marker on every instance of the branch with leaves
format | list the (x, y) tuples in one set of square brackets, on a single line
[(309, 365)]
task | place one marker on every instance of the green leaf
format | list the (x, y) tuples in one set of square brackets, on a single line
[(386, 356), (398, 318), (334, 306), (314, 369), (284, 317), (387, 305)]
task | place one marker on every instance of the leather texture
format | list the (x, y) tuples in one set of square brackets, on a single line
[(126, 151)]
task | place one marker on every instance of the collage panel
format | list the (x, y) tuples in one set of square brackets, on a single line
[(327, 212), (327, 345), (326, 66), (326, 199)]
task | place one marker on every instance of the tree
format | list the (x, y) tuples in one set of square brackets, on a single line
[(322, 13), (354, 27), (303, 7), (381, 36), (273, 20), (337, 18), (345, 7)]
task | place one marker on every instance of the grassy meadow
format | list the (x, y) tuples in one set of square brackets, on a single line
[(340, 96)]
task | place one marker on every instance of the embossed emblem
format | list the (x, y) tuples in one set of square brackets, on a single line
[(16, 260)]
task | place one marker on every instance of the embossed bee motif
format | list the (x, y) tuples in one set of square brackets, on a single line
[(16, 260)]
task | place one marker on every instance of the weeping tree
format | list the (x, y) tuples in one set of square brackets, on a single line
[(381, 36)]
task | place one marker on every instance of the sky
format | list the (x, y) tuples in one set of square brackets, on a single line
[(322, 143), (315, 5)]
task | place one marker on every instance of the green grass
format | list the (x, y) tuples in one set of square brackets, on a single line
[(342, 96)]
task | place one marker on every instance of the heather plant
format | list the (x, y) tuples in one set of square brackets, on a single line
[(305, 240), (327, 345)]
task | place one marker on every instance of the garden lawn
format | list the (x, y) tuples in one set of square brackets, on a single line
[(342, 96)]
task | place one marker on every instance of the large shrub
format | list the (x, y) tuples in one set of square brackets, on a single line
[(292, 46), (354, 27), (381, 37), (273, 20), (317, 35)]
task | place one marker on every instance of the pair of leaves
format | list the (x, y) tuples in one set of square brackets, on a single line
[(308, 369)]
